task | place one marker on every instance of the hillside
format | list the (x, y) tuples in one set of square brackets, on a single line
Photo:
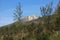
[(30, 30), (12, 31)]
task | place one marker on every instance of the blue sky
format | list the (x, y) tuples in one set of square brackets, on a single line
[(29, 8)]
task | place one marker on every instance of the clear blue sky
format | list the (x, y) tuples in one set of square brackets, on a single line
[(29, 7)]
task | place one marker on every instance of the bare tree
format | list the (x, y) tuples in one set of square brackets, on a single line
[(46, 12), (18, 13), (17, 17)]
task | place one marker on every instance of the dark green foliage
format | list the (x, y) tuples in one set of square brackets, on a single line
[(7, 38)]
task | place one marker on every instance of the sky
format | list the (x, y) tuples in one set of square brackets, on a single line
[(29, 7)]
